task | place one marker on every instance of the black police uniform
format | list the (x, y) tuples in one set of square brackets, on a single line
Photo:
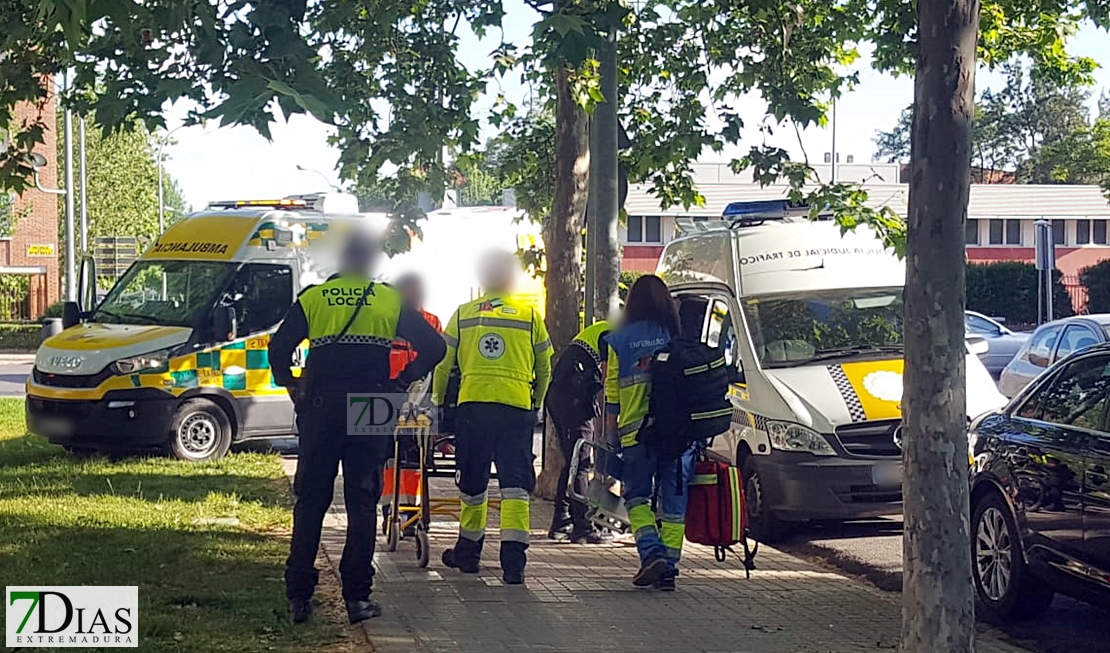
[(345, 356)]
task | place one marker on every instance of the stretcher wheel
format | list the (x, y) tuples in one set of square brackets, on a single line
[(423, 548), (394, 534)]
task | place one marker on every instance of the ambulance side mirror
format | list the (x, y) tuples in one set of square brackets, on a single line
[(224, 323), (71, 314)]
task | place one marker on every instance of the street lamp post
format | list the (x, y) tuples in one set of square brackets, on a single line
[(161, 193)]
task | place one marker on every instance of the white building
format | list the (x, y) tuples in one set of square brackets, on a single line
[(999, 228)]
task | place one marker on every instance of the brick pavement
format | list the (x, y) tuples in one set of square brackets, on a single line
[(579, 599)]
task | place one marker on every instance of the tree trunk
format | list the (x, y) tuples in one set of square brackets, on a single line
[(603, 245), (938, 610), (562, 239)]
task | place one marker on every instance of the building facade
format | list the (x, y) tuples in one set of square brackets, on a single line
[(999, 227), (29, 277)]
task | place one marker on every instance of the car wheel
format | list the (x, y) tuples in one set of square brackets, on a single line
[(200, 431), (1007, 590), (763, 525)]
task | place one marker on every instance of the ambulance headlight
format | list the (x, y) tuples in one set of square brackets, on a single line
[(786, 436), (142, 363)]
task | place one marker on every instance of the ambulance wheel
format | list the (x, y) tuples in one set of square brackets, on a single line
[(423, 548), (763, 525), (200, 431)]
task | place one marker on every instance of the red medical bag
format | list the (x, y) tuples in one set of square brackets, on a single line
[(716, 515)]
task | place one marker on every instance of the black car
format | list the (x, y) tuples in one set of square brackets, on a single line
[(1040, 491)]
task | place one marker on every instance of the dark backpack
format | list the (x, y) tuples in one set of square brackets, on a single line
[(689, 403), (575, 383)]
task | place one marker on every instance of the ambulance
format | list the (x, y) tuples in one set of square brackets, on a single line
[(810, 321), (175, 356)]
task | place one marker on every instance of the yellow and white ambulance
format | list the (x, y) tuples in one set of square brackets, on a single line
[(176, 354), (810, 319)]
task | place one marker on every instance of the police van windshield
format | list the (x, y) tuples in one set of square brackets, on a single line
[(166, 293), (825, 325)]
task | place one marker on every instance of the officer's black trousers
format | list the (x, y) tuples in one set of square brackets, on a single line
[(324, 443), (567, 510), (485, 433)]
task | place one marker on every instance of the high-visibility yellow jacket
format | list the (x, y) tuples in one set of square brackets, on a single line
[(628, 379), (501, 348), (359, 357)]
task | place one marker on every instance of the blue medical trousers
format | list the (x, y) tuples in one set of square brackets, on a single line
[(658, 534)]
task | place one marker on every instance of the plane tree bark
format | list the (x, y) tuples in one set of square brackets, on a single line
[(938, 610), (562, 237)]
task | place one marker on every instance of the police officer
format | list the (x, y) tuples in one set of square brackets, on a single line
[(350, 323), (503, 354)]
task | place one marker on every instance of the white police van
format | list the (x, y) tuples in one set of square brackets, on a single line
[(812, 321)]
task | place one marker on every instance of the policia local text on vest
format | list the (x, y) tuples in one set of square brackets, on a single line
[(350, 323)]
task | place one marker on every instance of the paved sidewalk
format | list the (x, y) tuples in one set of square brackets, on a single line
[(579, 599)]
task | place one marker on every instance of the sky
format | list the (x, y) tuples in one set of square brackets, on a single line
[(225, 163)]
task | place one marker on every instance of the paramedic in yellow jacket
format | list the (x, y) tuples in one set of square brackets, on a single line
[(501, 348)]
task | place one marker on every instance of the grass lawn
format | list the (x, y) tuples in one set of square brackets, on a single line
[(205, 543)]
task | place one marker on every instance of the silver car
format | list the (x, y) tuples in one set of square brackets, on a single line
[(1003, 344), (1048, 344)]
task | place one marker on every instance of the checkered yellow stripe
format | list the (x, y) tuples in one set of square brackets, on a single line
[(241, 367), (265, 232)]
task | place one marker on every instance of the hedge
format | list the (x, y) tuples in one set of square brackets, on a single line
[(1009, 290), (24, 337), (1096, 278)]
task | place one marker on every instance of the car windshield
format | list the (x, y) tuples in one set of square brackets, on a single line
[(168, 293), (799, 328)]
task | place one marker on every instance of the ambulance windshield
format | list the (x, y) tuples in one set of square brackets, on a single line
[(825, 325), (165, 293)]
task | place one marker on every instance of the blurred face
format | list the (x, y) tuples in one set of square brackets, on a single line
[(413, 293)]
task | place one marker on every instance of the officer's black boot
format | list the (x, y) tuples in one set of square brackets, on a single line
[(362, 610), (300, 610), (513, 559)]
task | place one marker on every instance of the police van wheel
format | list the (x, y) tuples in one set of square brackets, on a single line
[(200, 431), (764, 526)]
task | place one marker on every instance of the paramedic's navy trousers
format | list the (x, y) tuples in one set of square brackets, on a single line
[(324, 443), (645, 477), (485, 433)]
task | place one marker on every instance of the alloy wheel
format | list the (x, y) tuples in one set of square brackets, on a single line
[(993, 554)]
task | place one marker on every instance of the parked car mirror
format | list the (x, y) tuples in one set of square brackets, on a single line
[(977, 345)]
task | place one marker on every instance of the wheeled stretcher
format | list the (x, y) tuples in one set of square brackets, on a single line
[(605, 507)]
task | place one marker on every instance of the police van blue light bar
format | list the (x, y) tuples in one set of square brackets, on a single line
[(747, 214), (765, 209)]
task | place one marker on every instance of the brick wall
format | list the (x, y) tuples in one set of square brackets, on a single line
[(38, 215)]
